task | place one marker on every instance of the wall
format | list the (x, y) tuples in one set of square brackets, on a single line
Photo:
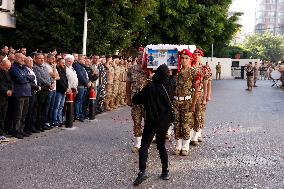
[(226, 65)]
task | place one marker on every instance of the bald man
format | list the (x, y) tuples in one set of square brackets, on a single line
[(6, 90), (22, 91)]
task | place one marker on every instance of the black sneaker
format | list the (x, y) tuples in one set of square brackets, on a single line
[(140, 178), (165, 175)]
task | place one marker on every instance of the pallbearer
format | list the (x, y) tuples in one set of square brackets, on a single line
[(184, 101), (202, 88), (136, 81)]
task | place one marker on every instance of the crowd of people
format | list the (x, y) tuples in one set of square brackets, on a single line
[(33, 88)]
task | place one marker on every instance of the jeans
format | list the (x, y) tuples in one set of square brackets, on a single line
[(49, 106), (58, 108), (80, 97)]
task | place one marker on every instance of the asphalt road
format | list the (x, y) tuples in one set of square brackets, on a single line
[(243, 148)]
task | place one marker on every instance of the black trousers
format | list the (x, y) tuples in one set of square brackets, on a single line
[(148, 134), (41, 107), (9, 116), (3, 111), (32, 113), (20, 110)]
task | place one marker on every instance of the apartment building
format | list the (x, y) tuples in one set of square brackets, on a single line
[(269, 16)]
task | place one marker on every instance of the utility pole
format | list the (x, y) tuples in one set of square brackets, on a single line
[(212, 52), (85, 32)]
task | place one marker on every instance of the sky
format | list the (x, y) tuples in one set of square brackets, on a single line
[(248, 18)]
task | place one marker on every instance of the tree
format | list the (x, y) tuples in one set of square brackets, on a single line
[(121, 24), (115, 24), (265, 46), (191, 22), (50, 24)]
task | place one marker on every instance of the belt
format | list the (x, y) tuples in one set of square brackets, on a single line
[(179, 98)]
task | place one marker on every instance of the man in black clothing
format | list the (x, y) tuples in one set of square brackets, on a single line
[(6, 88), (157, 104)]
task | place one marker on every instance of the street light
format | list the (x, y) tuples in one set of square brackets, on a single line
[(85, 32)]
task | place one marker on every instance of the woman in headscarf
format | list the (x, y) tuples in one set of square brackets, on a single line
[(158, 109)]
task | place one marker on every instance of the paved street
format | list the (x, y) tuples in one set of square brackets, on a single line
[(243, 148)]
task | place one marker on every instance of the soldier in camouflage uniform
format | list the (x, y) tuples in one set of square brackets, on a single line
[(184, 102), (116, 68), (209, 85), (109, 86), (136, 80), (250, 81), (199, 114), (122, 83), (102, 82)]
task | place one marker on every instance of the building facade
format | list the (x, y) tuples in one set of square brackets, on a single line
[(7, 17), (269, 16)]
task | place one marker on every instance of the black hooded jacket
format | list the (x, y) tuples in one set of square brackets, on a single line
[(155, 99)]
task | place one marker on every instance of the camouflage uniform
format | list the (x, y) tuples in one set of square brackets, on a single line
[(249, 70), (138, 79), (182, 103), (184, 118), (115, 91), (218, 71), (255, 74), (101, 91), (122, 85), (200, 107), (109, 88)]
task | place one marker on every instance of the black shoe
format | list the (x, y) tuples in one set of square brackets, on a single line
[(79, 119), (28, 132), (140, 178), (54, 124), (19, 136), (33, 130), (41, 129), (165, 175), (46, 128), (25, 134), (60, 124)]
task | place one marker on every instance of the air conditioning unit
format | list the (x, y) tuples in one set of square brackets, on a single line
[(7, 6)]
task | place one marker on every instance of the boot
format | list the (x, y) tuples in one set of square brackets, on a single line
[(185, 148), (122, 102), (170, 130), (111, 104), (116, 104), (178, 147), (194, 140), (199, 139), (106, 104), (137, 144)]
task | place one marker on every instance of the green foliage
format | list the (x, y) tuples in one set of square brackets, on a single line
[(231, 51), (265, 46), (122, 24)]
